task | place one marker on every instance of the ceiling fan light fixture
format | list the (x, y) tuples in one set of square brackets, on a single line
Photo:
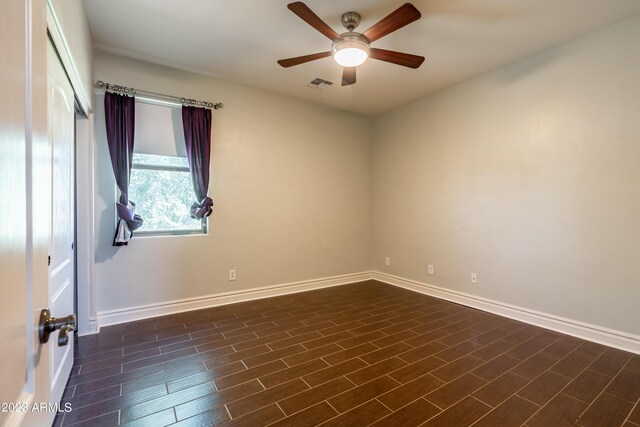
[(350, 50)]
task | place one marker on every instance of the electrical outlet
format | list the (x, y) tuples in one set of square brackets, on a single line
[(431, 269), (474, 278), (387, 261), (232, 275)]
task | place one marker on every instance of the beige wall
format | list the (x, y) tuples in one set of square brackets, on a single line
[(528, 176), (291, 183)]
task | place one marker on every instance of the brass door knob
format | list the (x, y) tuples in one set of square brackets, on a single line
[(49, 324)]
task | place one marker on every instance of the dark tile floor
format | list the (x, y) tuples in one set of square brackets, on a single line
[(361, 354)]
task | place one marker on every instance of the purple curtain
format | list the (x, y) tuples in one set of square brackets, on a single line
[(196, 122), (120, 121)]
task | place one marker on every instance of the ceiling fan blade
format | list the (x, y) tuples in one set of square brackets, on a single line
[(400, 58), (303, 11), (404, 15), (348, 76), (290, 62)]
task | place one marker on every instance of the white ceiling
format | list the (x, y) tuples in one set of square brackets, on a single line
[(241, 40)]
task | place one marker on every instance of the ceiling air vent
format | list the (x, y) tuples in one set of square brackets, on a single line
[(319, 83)]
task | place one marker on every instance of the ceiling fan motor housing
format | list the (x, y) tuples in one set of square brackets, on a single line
[(350, 40)]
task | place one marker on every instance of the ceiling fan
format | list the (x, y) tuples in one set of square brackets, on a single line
[(351, 49)]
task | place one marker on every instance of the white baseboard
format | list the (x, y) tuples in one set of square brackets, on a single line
[(609, 337), (114, 317), (605, 336), (93, 328)]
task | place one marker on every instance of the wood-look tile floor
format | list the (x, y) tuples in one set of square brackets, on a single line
[(353, 355)]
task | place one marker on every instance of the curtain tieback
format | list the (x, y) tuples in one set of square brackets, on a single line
[(128, 215), (202, 209)]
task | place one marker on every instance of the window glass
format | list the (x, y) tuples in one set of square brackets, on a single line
[(162, 190)]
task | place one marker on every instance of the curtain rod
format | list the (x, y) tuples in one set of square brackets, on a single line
[(123, 90)]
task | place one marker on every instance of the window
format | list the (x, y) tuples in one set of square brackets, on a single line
[(160, 182), (162, 190)]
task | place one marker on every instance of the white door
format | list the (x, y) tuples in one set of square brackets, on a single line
[(33, 374), (61, 122), (13, 221)]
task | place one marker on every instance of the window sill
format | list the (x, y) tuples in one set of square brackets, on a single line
[(147, 235)]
